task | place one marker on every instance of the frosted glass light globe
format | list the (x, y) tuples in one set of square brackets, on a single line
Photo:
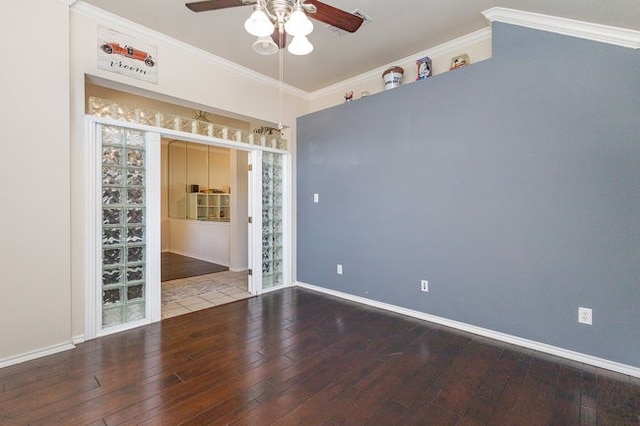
[(300, 45), (258, 24), (298, 24)]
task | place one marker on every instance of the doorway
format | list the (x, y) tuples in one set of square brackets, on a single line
[(204, 194), (122, 244)]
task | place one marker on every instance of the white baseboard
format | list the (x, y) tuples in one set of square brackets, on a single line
[(240, 269), (210, 260), (507, 338), (272, 289), (38, 353), (76, 340)]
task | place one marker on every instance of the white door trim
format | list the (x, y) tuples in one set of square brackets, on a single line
[(255, 226), (93, 229)]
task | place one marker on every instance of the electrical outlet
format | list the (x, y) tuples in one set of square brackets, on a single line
[(316, 198), (585, 316), (339, 269), (424, 285)]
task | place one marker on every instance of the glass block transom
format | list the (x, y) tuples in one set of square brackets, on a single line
[(123, 225), (272, 205)]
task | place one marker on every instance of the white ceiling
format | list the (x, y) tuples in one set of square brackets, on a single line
[(399, 29)]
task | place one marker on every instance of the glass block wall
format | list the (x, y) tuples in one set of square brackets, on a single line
[(123, 225), (272, 184)]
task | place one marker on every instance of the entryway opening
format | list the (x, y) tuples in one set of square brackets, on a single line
[(204, 261), (126, 138)]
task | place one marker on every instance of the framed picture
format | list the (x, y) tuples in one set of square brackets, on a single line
[(127, 55)]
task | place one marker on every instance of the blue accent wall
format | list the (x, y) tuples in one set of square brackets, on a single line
[(512, 185)]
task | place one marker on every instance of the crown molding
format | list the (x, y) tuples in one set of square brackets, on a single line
[(69, 2), (586, 30), (453, 46), (106, 18)]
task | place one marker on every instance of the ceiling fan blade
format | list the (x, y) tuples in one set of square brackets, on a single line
[(203, 6), (334, 16), (276, 38)]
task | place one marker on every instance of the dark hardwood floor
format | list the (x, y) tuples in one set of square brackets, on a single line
[(295, 357), (175, 266)]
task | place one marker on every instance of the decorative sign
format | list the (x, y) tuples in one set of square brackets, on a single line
[(127, 55)]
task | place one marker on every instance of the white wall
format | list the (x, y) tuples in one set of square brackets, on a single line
[(35, 306), (202, 240)]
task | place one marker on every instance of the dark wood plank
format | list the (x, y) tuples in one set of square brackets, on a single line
[(298, 357), (175, 266)]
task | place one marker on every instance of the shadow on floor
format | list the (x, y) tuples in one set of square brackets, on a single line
[(175, 266)]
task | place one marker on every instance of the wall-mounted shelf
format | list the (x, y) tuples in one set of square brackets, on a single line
[(209, 207)]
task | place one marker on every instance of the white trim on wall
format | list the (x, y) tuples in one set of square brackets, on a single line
[(38, 353), (586, 30), (502, 337), (153, 226), (91, 232)]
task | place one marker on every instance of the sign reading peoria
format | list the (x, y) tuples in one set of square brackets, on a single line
[(126, 55)]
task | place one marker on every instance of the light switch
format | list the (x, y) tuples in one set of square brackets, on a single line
[(316, 198)]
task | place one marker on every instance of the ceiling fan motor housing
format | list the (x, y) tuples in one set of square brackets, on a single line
[(279, 9)]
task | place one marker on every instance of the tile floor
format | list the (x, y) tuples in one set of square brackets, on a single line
[(191, 294)]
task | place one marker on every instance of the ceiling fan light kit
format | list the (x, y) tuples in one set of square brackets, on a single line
[(274, 18), (282, 15)]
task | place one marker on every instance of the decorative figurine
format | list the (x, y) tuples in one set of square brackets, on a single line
[(348, 96), (459, 61), (393, 77), (424, 68)]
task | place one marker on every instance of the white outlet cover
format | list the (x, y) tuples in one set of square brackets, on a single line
[(339, 269), (316, 198), (585, 316)]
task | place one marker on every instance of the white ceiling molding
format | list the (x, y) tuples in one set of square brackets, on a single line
[(451, 47), (586, 30), (69, 2), (124, 25)]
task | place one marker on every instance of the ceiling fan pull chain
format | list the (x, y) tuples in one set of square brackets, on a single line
[(281, 78)]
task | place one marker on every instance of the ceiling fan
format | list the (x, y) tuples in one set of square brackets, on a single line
[(278, 14)]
